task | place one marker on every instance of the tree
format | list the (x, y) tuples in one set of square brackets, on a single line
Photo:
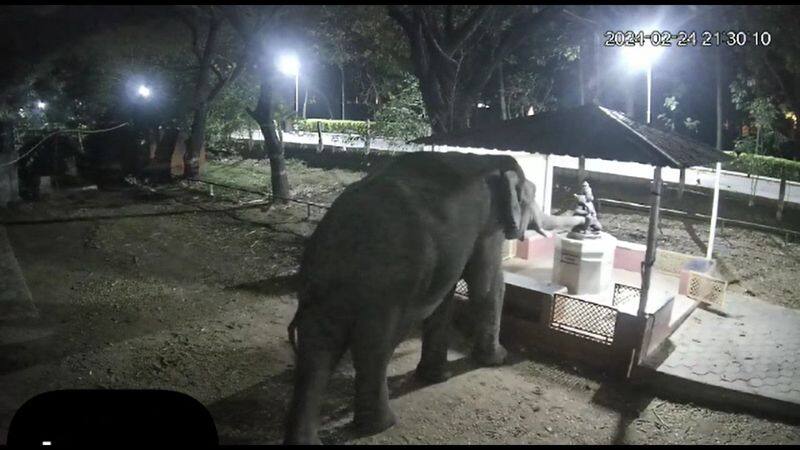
[(455, 50), (362, 43), (206, 24), (252, 25), (403, 114)]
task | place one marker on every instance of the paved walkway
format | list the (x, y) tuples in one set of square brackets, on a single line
[(752, 356), (15, 298)]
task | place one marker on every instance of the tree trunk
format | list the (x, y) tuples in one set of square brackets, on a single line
[(341, 70), (196, 142), (202, 90), (272, 146), (502, 93), (305, 102)]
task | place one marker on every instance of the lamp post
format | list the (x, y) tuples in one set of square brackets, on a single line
[(640, 57), (289, 65)]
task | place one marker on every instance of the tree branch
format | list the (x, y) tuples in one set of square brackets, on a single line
[(463, 32), (224, 81), (510, 40), (193, 29)]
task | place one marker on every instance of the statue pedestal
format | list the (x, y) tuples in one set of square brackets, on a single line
[(584, 263)]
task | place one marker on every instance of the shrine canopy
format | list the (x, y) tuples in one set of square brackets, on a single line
[(590, 131)]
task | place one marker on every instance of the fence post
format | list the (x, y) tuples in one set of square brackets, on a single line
[(681, 182), (781, 197), (367, 140), (320, 146)]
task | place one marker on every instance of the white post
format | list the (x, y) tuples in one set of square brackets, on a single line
[(297, 93), (714, 208), (548, 185), (649, 89)]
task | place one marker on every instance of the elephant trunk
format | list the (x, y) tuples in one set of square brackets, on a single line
[(541, 221)]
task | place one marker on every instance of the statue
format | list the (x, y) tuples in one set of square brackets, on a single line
[(585, 208)]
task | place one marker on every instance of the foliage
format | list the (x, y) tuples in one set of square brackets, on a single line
[(672, 114), (95, 79), (403, 114), (362, 40), (765, 90), (767, 166), (228, 114), (763, 114), (358, 127)]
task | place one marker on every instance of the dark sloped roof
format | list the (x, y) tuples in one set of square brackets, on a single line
[(590, 131)]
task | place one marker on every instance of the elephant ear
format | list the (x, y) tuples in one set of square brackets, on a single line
[(512, 209)]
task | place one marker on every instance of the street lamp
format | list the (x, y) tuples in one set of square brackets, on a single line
[(289, 65), (641, 57), (143, 91), (41, 105)]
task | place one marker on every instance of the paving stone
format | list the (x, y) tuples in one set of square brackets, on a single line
[(764, 361)]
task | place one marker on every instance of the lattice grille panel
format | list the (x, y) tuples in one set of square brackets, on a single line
[(624, 294), (461, 288), (706, 289), (671, 262), (583, 319)]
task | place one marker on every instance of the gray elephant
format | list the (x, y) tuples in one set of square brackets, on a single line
[(387, 255)]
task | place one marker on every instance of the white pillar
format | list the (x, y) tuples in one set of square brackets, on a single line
[(297, 93), (649, 89), (714, 208), (548, 185)]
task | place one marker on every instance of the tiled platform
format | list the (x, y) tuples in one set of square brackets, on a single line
[(540, 270), (749, 355)]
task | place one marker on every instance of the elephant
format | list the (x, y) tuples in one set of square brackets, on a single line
[(387, 255)]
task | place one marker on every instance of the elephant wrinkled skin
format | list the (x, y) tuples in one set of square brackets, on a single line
[(387, 255)]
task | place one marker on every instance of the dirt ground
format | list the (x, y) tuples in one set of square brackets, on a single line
[(164, 290)]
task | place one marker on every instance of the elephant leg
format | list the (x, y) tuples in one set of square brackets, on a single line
[(486, 290), (371, 354), (316, 359), (435, 332)]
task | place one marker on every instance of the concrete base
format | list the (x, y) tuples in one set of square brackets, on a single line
[(584, 264)]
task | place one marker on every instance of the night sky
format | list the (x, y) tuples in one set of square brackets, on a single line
[(33, 31)]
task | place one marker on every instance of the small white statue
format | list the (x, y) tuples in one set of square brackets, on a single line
[(586, 209)]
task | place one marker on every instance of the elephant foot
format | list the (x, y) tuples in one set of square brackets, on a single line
[(494, 357), (374, 424), (432, 374)]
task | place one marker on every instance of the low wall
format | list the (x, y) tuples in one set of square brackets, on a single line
[(696, 200)]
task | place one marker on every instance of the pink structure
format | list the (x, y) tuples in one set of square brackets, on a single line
[(627, 256)]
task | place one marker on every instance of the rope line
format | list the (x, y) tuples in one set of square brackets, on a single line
[(79, 131)]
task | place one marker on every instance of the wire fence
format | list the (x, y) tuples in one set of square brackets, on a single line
[(269, 195), (50, 135)]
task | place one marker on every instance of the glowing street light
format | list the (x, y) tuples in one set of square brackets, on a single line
[(143, 91), (289, 65), (640, 57), (41, 105)]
